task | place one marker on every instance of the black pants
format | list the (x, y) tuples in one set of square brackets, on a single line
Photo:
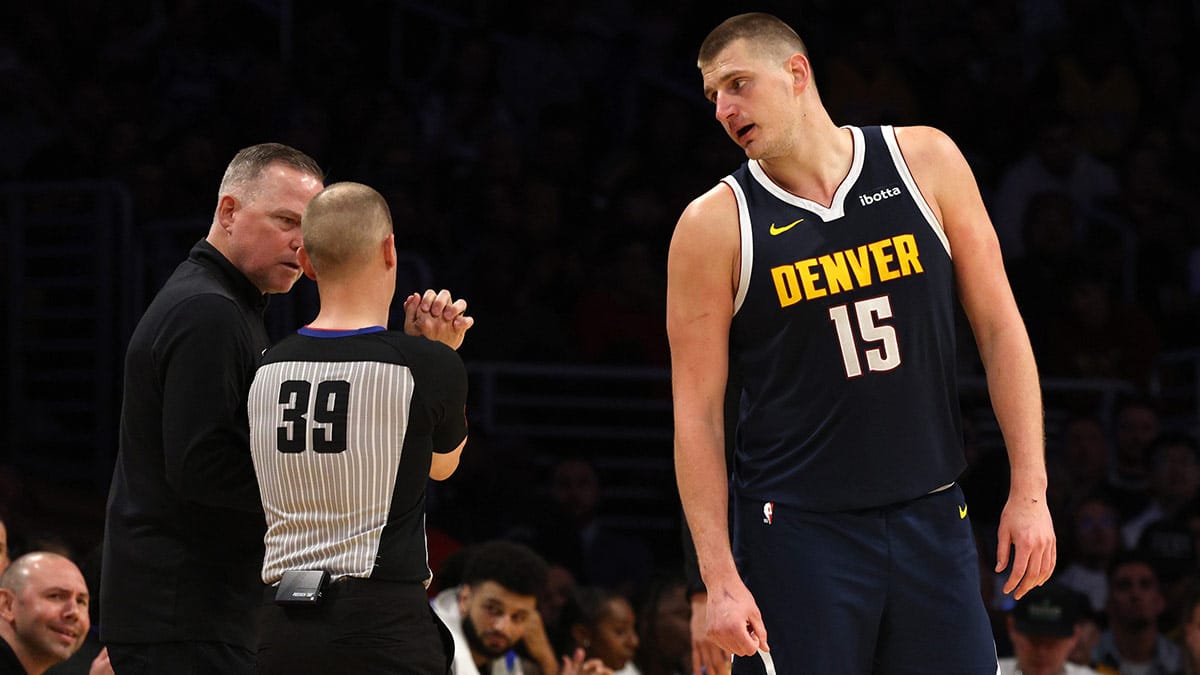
[(360, 626), (181, 658)]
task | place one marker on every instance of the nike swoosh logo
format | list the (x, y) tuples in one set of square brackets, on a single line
[(962, 511), (780, 230)]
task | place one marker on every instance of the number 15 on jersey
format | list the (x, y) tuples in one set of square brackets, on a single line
[(878, 341)]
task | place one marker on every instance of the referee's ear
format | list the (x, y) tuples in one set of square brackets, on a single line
[(306, 265), (389, 252)]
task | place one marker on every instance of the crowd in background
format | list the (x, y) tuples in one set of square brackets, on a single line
[(537, 154)]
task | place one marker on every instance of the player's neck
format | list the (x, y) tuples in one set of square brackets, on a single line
[(816, 164)]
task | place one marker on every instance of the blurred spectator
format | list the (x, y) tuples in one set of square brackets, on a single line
[(1171, 547), (498, 472), (92, 657), (1133, 642), (1093, 82), (617, 318), (1135, 424), (494, 609), (1190, 633), (602, 623), (1095, 540), (1088, 629), (1096, 335), (1039, 275), (560, 586), (1086, 453), (1044, 630), (451, 121), (1157, 205), (664, 632), (574, 534), (1055, 164), (1174, 483), (43, 612), (864, 84)]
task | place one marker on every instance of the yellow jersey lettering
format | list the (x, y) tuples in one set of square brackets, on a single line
[(841, 271), (787, 286), (837, 274), (809, 278), (860, 264), (907, 255), (879, 252)]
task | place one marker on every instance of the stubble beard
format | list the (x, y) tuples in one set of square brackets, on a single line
[(476, 643)]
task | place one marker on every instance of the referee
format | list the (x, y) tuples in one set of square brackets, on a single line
[(347, 421)]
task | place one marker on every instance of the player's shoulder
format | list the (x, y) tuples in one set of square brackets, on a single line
[(710, 215), (926, 145), (717, 201)]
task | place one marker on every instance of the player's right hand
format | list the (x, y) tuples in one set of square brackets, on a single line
[(734, 622), (707, 657)]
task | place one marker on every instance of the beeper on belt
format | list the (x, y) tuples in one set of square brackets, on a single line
[(301, 587)]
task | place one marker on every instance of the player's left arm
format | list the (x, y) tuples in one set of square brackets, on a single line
[(946, 181)]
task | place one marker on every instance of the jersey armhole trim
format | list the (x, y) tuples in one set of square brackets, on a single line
[(746, 237), (889, 136)]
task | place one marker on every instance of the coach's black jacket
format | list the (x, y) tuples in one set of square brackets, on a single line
[(183, 541)]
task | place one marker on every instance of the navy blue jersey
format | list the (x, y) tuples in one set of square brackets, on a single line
[(844, 331)]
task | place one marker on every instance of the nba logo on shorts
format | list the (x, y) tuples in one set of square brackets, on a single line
[(769, 512)]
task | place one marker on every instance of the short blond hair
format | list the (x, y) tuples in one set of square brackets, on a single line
[(343, 224), (766, 33)]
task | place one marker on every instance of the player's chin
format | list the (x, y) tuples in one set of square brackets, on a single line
[(753, 151)]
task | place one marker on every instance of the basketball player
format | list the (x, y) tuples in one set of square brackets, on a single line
[(826, 268), (348, 420)]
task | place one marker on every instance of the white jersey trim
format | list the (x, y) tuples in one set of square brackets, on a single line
[(889, 136), (747, 239), (837, 208)]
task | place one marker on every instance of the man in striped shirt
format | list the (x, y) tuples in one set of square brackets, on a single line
[(347, 422)]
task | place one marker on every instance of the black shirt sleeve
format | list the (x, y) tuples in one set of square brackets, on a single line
[(450, 401)]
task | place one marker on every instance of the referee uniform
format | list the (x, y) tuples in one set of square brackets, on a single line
[(342, 430)]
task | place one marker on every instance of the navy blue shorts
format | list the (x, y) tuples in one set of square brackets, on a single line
[(892, 590)]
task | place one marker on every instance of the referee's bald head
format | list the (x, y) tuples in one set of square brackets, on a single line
[(344, 224)]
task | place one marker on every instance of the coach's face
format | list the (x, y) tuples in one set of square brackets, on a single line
[(263, 226)]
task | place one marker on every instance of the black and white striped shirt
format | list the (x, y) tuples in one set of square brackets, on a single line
[(342, 427)]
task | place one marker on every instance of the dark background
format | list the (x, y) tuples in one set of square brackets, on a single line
[(536, 156)]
